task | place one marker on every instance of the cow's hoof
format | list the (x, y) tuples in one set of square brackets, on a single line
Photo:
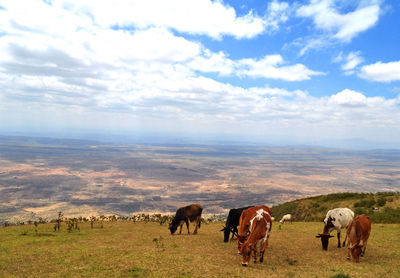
[(348, 258), (362, 255), (244, 264)]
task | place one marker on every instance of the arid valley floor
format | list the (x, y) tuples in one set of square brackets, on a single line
[(39, 176)]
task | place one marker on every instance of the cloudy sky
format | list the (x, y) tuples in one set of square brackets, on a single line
[(309, 72)]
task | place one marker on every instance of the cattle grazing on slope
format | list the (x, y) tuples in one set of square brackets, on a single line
[(184, 215), (286, 217), (245, 221), (358, 230), (336, 219), (259, 230), (232, 221)]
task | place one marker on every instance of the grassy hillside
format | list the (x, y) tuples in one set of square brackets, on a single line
[(382, 207), (127, 249)]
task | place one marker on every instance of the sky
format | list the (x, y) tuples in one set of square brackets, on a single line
[(313, 72)]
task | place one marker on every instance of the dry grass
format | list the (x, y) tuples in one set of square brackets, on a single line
[(148, 250)]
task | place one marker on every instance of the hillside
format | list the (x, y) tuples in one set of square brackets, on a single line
[(382, 207)]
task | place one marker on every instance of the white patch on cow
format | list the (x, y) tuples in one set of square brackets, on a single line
[(259, 216), (342, 217), (262, 240)]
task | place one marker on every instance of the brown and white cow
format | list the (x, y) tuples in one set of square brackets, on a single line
[(358, 230), (259, 230), (184, 215)]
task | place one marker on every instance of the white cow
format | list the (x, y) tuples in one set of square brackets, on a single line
[(336, 219), (286, 217)]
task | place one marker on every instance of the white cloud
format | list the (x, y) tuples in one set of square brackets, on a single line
[(336, 25), (277, 13), (349, 98), (352, 60), (213, 62), (270, 67), (205, 17), (64, 65), (381, 72)]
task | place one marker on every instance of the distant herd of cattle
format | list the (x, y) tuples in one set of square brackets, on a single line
[(251, 227)]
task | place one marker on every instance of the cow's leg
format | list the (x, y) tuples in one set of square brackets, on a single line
[(180, 230), (338, 238), (262, 250), (187, 226), (198, 219), (348, 249), (255, 253), (234, 231), (344, 242), (363, 248)]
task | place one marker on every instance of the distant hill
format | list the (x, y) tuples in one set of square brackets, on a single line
[(381, 207)]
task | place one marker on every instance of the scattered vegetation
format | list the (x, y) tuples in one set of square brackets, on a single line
[(381, 207)]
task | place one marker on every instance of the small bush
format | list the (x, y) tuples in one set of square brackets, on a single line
[(381, 202)]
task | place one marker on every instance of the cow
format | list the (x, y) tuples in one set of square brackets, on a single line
[(286, 217), (336, 219), (259, 231), (184, 215), (232, 221), (357, 231), (245, 221)]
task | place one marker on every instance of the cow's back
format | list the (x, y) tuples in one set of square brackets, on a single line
[(193, 211), (247, 215), (363, 226), (342, 216)]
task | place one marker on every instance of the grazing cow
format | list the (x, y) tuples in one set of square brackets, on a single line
[(336, 219), (245, 221), (259, 230), (184, 215), (358, 230), (232, 221), (286, 217)]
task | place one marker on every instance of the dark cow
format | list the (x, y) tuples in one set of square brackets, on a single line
[(245, 222), (184, 215), (232, 221), (358, 230)]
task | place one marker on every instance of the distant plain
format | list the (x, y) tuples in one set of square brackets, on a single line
[(41, 176)]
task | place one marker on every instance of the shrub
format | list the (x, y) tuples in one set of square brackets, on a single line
[(381, 201), (366, 203)]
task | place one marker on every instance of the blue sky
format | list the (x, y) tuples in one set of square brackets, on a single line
[(313, 72)]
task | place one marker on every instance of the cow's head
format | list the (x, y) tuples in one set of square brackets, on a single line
[(324, 240), (172, 227), (245, 251), (355, 250)]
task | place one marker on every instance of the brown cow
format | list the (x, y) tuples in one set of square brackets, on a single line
[(259, 230), (358, 230), (184, 215), (244, 223)]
